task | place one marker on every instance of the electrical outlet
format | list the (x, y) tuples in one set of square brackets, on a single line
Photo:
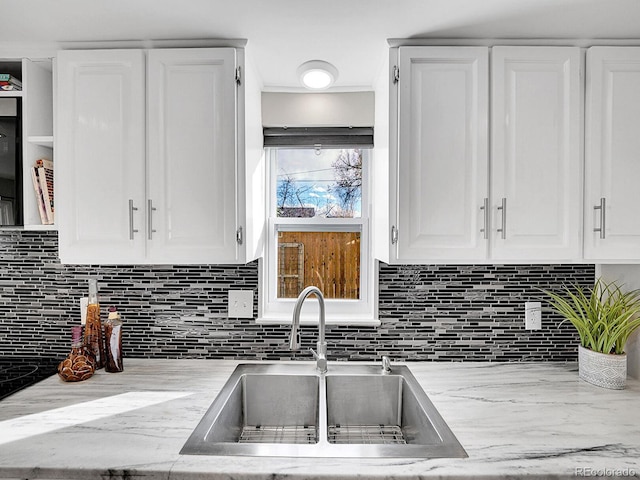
[(240, 304), (532, 315)]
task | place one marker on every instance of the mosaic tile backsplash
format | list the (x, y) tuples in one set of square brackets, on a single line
[(451, 312)]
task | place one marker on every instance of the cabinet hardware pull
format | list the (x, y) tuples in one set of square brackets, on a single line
[(503, 220), (603, 215), (394, 235), (485, 218), (239, 236), (131, 210), (150, 210)]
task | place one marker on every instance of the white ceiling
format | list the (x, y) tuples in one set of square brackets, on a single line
[(282, 34)]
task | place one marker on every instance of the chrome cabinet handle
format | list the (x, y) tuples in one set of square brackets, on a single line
[(239, 236), (603, 215), (150, 210), (394, 235), (131, 210), (485, 218), (503, 222)]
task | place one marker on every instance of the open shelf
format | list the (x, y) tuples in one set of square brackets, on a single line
[(29, 228), (42, 140), (37, 111)]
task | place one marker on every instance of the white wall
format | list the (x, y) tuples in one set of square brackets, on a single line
[(380, 170), (254, 160), (628, 276), (349, 109)]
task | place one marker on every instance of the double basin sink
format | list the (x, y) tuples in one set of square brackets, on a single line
[(352, 410)]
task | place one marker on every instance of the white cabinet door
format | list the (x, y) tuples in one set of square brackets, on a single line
[(100, 156), (536, 173), (612, 196), (440, 178), (192, 163)]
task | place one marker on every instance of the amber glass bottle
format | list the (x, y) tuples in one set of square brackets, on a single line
[(93, 329), (79, 363)]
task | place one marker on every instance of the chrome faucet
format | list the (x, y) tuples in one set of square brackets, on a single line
[(321, 356)]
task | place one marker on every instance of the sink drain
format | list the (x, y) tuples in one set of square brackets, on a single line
[(366, 434)]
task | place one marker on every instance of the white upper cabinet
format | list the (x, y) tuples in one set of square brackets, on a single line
[(612, 154), (536, 167), (191, 203), (147, 166), (450, 201), (440, 175), (100, 161)]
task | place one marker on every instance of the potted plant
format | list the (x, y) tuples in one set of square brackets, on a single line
[(604, 316)]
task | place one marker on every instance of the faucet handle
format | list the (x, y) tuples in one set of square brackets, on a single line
[(320, 357)]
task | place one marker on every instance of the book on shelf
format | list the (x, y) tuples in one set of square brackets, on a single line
[(39, 197), (7, 87), (42, 177), (9, 82)]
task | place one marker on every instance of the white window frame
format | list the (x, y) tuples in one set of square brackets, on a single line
[(362, 311)]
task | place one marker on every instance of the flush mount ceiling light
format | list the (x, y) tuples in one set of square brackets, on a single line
[(317, 74)]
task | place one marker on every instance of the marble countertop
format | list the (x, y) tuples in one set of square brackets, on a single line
[(534, 420)]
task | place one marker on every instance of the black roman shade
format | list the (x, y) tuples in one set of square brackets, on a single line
[(331, 137)]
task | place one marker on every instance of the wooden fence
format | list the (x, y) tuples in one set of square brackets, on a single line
[(328, 260)]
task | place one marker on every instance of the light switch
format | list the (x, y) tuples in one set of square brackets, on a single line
[(532, 315), (240, 304)]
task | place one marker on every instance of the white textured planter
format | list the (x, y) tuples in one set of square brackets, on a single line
[(601, 369)]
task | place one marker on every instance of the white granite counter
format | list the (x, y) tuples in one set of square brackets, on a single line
[(534, 420)]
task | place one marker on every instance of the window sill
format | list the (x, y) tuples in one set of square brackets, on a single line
[(346, 320)]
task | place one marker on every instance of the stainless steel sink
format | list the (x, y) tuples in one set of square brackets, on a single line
[(352, 410), (377, 409), (269, 409)]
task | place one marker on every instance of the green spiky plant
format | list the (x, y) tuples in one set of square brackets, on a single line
[(603, 315)]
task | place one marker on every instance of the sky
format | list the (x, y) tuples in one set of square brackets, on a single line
[(310, 169)]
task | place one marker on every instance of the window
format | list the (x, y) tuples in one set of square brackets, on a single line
[(318, 232)]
